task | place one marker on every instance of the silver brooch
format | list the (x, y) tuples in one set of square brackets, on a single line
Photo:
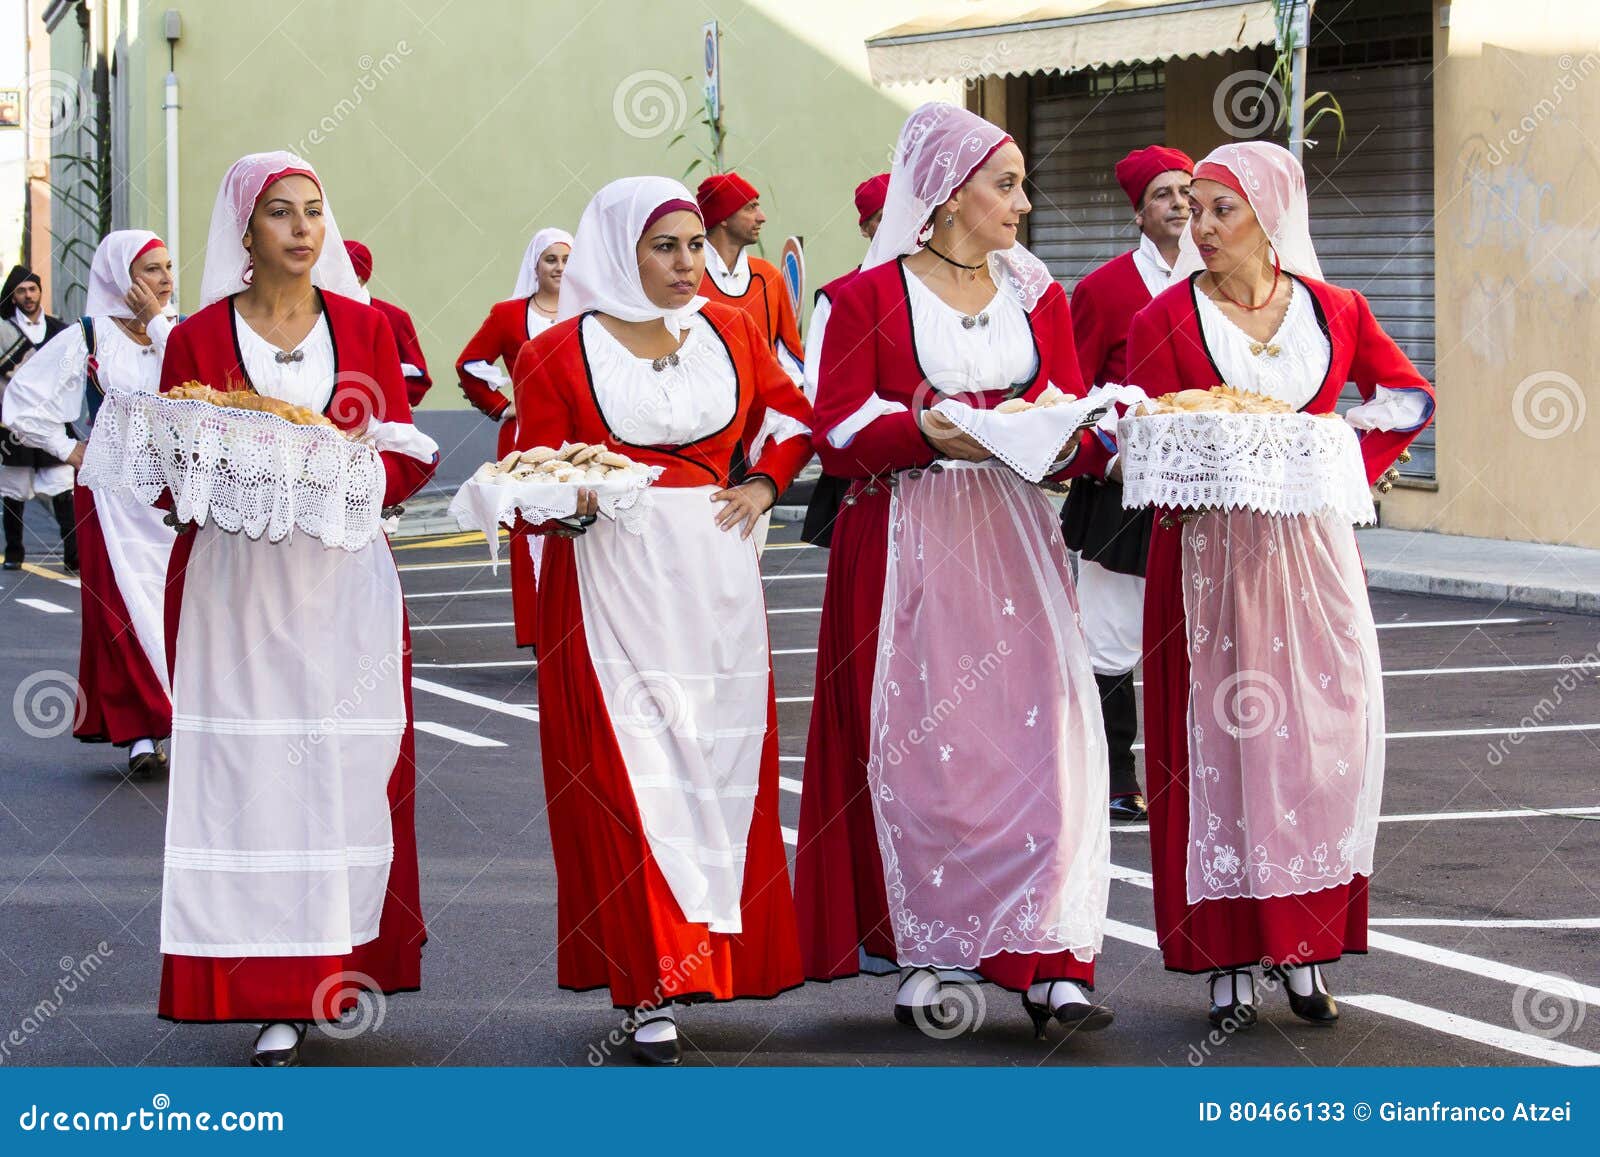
[(283, 358), (969, 322), (662, 363)]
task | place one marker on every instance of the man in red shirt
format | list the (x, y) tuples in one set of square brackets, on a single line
[(1112, 541), (412, 363), (730, 206)]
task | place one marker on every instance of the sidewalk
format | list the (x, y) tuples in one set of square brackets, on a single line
[(1564, 578)]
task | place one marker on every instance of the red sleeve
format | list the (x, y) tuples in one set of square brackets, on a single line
[(789, 325), (1378, 361), (405, 336), (403, 474), (483, 346), (177, 362), (544, 416), (1152, 359), (1089, 331), (847, 382), (775, 390)]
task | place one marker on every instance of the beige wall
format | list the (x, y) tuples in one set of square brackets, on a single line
[(1517, 196)]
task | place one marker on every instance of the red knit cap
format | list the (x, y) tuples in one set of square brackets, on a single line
[(870, 195), (361, 258), (1136, 170), (721, 195)]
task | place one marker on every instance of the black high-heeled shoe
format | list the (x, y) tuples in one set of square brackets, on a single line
[(1239, 1013), (919, 1016), (288, 1058), (1040, 1014), (1319, 1006), (656, 1052)]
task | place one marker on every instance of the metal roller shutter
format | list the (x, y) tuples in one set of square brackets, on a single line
[(1080, 218), (1372, 209)]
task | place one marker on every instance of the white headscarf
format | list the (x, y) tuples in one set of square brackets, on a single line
[(528, 275), (1275, 185), (603, 272), (226, 257), (111, 272), (940, 147)]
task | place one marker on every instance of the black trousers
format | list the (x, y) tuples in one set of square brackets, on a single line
[(1119, 706), (66, 522)]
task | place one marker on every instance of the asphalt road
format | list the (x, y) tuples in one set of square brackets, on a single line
[(1485, 905)]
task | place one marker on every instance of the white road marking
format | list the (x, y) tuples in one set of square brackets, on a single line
[(794, 699), (1480, 1032), (790, 836), (1467, 731), (46, 606), (772, 578), (475, 666), (789, 785), (444, 565), (465, 738), (796, 651), (1428, 817), (793, 610), (791, 759), (1497, 670), (459, 626), (515, 710), (791, 546), (1576, 923), (458, 594), (1405, 626), (1486, 968)]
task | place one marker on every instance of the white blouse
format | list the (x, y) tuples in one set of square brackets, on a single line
[(683, 402), (306, 382), (992, 350), (1289, 366), (47, 391)]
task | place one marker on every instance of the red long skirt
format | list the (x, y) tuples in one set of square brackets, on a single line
[(120, 697), (298, 988), (839, 888), (618, 924), (1214, 934)]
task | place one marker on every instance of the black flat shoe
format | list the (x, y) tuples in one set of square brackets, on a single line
[(1240, 1013), (147, 765), (658, 1052), (288, 1058), (1128, 808), (1083, 1016), (13, 564), (920, 1016), (1317, 1008)]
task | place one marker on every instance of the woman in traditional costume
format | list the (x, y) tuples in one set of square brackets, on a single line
[(123, 545), (659, 735), (511, 324), (1263, 691), (291, 872), (953, 812)]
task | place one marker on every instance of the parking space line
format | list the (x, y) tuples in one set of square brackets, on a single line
[(1402, 625), (459, 626), (515, 710), (789, 785), (465, 738), (1428, 817), (475, 666), (1560, 925), (46, 606), (458, 594), (445, 565), (46, 572), (1480, 1032)]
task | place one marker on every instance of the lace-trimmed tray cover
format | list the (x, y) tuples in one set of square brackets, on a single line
[(1278, 464), (244, 471), (1029, 441), (486, 504)]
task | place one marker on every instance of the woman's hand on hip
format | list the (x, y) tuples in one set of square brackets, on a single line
[(744, 504)]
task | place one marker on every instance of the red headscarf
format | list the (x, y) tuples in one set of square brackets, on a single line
[(721, 195), (870, 195), (361, 258), (1136, 170)]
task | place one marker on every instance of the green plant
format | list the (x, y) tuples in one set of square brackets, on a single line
[(713, 126), (1283, 13)]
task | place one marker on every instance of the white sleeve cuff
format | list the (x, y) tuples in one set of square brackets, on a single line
[(871, 410), (402, 438), (409, 370), (484, 372), (1403, 409)]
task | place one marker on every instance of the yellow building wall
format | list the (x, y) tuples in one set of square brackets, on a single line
[(1517, 236)]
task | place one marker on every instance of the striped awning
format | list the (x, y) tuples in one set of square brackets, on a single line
[(1011, 38)]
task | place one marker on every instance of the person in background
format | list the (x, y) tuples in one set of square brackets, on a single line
[(412, 364), (26, 472)]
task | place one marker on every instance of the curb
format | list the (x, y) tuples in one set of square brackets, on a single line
[(1416, 582)]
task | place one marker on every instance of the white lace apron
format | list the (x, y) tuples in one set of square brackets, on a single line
[(677, 632), (987, 766), (1286, 726)]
